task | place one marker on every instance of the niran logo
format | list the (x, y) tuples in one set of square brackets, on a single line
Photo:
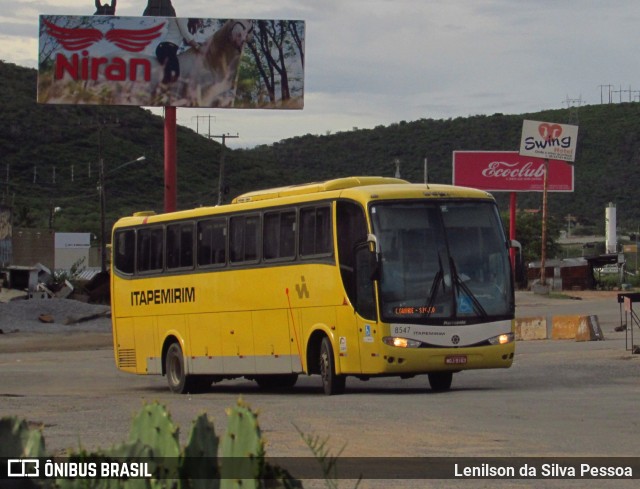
[(83, 66)]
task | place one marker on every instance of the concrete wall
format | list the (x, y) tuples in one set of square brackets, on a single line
[(31, 246)]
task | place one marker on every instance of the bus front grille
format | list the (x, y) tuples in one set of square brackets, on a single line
[(127, 358)]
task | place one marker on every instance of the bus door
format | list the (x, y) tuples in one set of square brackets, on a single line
[(354, 262), (369, 333)]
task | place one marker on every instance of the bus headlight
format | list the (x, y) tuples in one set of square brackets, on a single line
[(401, 342), (502, 339)]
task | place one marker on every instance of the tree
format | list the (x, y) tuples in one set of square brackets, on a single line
[(273, 43), (529, 234)]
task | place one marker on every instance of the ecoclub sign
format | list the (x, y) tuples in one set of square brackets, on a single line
[(508, 171)]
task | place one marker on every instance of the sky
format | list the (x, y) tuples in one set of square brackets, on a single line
[(379, 62)]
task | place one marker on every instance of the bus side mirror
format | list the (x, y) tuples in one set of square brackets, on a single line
[(374, 256), (371, 238), (366, 268), (515, 244)]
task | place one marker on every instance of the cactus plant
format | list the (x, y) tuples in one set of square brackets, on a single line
[(199, 458), (19, 440), (153, 427), (154, 438), (242, 450)]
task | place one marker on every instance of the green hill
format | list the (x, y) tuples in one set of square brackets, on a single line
[(49, 158)]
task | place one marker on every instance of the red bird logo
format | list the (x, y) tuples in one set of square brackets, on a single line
[(127, 39)]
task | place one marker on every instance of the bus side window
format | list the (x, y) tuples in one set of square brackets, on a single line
[(288, 234), (315, 231), (150, 249), (125, 250), (244, 238), (212, 242), (279, 235), (179, 245)]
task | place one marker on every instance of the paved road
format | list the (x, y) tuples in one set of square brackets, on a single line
[(560, 398)]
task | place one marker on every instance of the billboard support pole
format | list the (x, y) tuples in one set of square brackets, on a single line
[(170, 159), (512, 228), (543, 252), (165, 9)]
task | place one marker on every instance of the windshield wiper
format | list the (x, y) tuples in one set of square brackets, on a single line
[(477, 306), (434, 286)]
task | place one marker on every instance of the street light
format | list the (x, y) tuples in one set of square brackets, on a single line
[(103, 247)]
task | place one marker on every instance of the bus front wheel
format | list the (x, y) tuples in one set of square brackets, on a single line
[(440, 381), (331, 382)]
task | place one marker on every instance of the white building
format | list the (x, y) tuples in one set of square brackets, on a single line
[(70, 248)]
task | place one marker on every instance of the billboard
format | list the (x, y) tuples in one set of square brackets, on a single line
[(549, 140), (508, 171), (171, 61)]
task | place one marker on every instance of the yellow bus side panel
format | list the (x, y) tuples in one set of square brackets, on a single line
[(206, 347), (274, 344), (370, 335), (237, 342), (347, 341), (147, 359)]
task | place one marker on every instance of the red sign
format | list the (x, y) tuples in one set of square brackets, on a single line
[(508, 171)]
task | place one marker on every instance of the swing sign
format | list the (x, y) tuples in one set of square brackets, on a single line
[(549, 140)]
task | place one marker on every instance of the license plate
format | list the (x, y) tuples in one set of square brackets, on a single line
[(455, 360)]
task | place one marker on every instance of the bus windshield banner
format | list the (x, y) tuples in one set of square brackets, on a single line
[(171, 61), (508, 171)]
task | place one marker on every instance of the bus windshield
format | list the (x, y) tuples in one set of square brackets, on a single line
[(442, 262)]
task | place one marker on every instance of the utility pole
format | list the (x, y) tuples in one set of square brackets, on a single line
[(573, 104), (605, 86), (103, 241), (207, 117), (426, 172), (221, 174), (569, 218), (618, 91), (103, 208), (6, 199), (543, 254)]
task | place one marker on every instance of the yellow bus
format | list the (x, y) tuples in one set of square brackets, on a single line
[(356, 276)]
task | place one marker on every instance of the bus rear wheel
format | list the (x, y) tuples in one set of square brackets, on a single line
[(440, 381), (332, 383), (177, 377)]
